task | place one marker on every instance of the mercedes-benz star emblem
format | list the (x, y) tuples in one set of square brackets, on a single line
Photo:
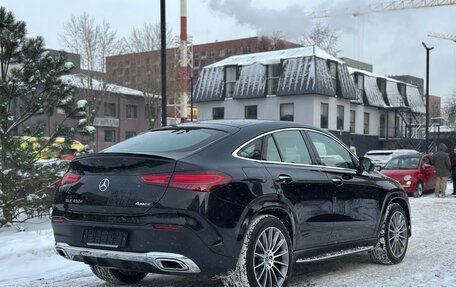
[(104, 184)]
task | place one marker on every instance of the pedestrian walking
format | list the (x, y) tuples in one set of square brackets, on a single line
[(442, 164), (453, 170)]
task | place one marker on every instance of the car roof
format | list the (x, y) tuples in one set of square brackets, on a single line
[(412, 155), (246, 124), (409, 151)]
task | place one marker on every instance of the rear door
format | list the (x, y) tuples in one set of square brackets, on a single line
[(304, 186), (355, 197), (428, 172)]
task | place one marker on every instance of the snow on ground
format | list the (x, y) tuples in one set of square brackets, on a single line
[(28, 258)]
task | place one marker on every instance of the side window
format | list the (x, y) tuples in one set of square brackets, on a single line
[(292, 147), (427, 160), (252, 150), (271, 151), (331, 153)]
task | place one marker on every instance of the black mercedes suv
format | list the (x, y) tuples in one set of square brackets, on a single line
[(234, 198)]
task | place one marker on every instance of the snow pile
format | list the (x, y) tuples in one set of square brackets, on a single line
[(82, 104), (90, 129)]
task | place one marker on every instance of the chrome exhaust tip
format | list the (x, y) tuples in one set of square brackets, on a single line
[(62, 252), (170, 264)]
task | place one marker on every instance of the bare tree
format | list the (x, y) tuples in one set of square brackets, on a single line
[(449, 110), (93, 42), (323, 36), (276, 41), (147, 38)]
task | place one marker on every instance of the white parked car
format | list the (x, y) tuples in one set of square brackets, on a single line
[(380, 157)]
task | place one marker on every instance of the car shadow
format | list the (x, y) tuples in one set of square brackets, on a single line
[(304, 274)]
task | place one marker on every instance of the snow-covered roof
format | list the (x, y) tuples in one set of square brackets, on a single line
[(274, 57), (395, 99), (415, 100), (303, 71), (82, 81)]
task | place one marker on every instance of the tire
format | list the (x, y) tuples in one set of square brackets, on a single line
[(393, 241), (117, 276), (419, 190), (259, 232)]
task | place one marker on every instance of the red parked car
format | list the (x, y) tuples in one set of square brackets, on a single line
[(414, 172)]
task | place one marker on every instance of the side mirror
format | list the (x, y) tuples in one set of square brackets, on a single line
[(365, 164)]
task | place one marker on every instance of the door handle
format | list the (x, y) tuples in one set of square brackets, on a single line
[(337, 181), (283, 178)]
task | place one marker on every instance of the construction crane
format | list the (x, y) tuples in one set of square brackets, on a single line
[(443, 36), (387, 6)]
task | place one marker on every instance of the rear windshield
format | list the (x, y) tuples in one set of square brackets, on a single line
[(379, 156), (174, 140)]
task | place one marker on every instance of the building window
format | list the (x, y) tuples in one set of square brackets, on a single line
[(229, 51), (109, 136), (381, 83), (352, 121), (203, 55), (129, 134), (396, 126), (382, 126), (287, 112), (230, 80), (403, 91), (359, 78), (324, 113), (251, 112), (332, 66), (211, 54), (273, 74), (131, 112), (366, 123), (222, 53), (218, 113), (340, 117), (110, 110), (195, 56)]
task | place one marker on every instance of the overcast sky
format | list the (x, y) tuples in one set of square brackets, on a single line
[(391, 41)]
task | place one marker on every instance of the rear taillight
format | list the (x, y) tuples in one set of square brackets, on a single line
[(69, 178), (156, 179), (57, 220), (200, 181)]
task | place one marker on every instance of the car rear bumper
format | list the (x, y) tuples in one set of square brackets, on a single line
[(183, 251), (166, 262)]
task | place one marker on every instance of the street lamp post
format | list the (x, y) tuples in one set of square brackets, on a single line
[(163, 60), (427, 96), (191, 98)]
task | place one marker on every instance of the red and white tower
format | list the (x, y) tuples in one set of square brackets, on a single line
[(184, 63)]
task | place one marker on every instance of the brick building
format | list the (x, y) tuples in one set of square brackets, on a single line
[(121, 114), (142, 71)]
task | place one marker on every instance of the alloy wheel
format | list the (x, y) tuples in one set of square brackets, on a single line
[(271, 258), (397, 234)]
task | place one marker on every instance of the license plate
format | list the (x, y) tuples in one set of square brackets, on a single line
[(104, 238)]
